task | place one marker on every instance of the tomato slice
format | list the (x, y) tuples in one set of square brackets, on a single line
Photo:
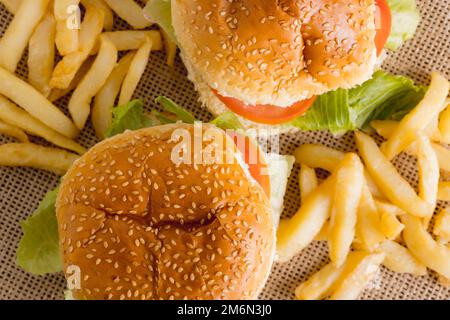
[(266, 114), (383, 21), (256, 163)]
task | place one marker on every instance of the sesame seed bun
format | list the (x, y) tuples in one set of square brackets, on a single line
[(141, 227), (277, 52)]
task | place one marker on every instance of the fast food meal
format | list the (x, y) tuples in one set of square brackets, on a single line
[(162, 202)]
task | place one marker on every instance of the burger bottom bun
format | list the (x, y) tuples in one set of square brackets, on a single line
[(139, 226)]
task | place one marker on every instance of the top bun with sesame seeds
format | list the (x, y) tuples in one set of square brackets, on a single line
[(140, 226), (275, 52)]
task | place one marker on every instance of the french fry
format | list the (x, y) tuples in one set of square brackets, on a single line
[(385, 129), (318, 156), (390, 225), (428, 174), (442, 225), (131, 12), (79, 104), (444, 124), (41, 55), (320, 284), (16, 37), (171, 49), (108, 13), (67, 17), (137, 69), (106, 97), (346, 198), (307, 181), (67, 68), (368, 227), (13, 131), (59, 93), (298, 232), (419, 118), (11, 5), (18, 117), (324, 232), (35, 103), (444, 191), (35, 156), (400, 260), (393, 185), (443, 155), (434, 255), (358, 278), (131, 40)]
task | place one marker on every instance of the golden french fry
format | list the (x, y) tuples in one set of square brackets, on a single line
[(41, 55), (385, 129), (318, 156), (390, 225), (324, 232), (428, 173), (132, 40), (67, 15), (444, 191), (108, 13), (13, 131), (11, 5), (400, 260), (442, 225), (18, 117), (307, 181), (131, 12), (59, 93), (387, 178), (357, 280), (137, 68), (444, 124), (368, 228), (79, 104), (434, 255), (19, 31), (320, 284), (106, 97), (346, 198), (443, 155), (419, 118), (32, 155), (298, 232), (35, 103), (171, 49), (67, 68)]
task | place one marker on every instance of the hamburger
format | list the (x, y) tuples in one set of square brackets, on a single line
[(139, 224), (269, 62)]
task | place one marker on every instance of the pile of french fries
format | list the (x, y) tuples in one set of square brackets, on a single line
[(367, 212), (89, 70)]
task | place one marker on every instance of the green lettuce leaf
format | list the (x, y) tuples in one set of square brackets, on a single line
[(330, 112), (160, 12), (227, 121), (385, 96), (38, 251), (405, 20), (173, 108), (130, 116)]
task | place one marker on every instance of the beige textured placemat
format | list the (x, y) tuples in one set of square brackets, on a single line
[(21, 189)]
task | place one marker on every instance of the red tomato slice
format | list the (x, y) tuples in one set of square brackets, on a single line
[(256, 163), (383, 21), (266, 114)]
